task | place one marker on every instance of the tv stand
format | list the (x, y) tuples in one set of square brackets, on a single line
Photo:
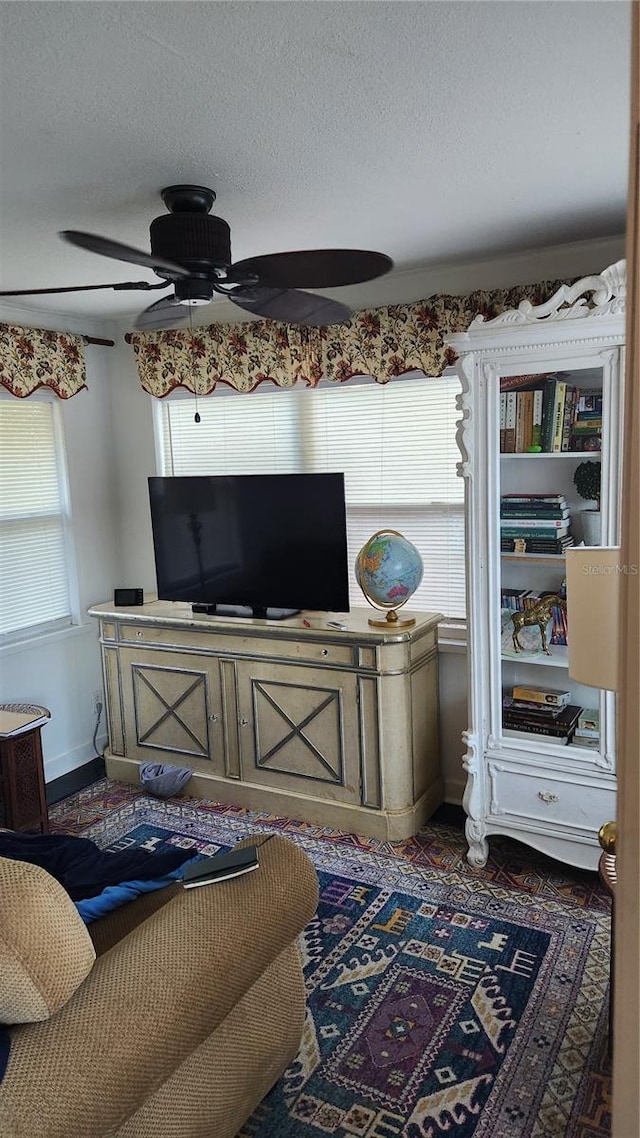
[(257, 612), (337, 726)]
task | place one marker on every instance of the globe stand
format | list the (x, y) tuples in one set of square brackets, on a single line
[(392, 620)]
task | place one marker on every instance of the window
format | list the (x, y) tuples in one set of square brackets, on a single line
[(34, 561), (395, 443)]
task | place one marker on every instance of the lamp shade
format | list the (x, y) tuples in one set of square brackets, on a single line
[(593, 615)]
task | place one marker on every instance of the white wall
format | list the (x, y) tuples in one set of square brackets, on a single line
[(134, 461), (110, 448), (62, 670)]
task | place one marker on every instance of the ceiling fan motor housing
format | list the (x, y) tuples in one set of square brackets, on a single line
[(195, 240)]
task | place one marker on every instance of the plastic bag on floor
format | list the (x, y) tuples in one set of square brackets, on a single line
[(163, 780)]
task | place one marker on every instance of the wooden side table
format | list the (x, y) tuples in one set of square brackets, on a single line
[(23, 803)]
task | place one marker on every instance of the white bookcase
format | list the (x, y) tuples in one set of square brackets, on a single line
[(533, 787)]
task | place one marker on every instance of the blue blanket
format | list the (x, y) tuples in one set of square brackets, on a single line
[(82, 868)]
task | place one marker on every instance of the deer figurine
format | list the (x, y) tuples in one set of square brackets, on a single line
[(539, 614)]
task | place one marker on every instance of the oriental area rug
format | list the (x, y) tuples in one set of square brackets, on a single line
[(443, 1001)]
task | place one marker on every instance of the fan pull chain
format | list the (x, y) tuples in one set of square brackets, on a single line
[(196, 417)]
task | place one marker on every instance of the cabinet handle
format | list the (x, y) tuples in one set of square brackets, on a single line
[(547, 796), (213, 718), (244, 722)]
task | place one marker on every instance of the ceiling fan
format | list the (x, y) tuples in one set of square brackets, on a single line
[(191, 249)]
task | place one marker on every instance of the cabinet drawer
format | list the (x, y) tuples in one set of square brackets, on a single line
[(548, 798), (237, 644), (145, 634)]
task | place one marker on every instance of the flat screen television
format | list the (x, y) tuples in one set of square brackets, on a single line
[(262, 545)]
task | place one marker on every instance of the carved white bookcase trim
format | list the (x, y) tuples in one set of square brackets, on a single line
[(551, 796)]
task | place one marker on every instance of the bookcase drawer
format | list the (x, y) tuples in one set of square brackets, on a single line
[(550, 799)]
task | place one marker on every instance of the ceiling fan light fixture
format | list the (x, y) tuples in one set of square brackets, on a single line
[(193, 292)]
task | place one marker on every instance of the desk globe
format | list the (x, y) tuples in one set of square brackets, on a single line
[(389, 570)]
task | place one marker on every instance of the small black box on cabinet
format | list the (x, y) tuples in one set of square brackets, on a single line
[(128, 597)]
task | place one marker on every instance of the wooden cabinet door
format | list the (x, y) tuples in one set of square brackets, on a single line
[(172, 708), (299, 729)]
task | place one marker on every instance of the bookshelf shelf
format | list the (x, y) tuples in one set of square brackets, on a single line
[(526, 738), (540, 558), (548, 375), (558, 658), (546, 455)]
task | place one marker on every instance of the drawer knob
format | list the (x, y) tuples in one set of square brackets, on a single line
[(547, 796), (139, 635), (213, 718), (325, 651)]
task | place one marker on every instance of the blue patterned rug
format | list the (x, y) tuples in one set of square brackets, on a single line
[(439, 1005)]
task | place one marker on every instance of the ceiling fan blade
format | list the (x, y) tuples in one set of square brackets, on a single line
[(162, 314), (314, 268), (103, 245), (289, 305), (117, 285)]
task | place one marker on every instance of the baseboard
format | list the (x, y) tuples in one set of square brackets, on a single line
[(75, 780), (353, 818), (68, 761)]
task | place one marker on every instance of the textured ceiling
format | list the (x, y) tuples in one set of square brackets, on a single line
[(432, 131)]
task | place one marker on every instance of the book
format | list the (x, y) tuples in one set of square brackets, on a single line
[(534, 513), (503, 418), (533, 505), (558, 416), (513, 599), (221, 867), (548, 404), (523, 711), (590, 401), (510, 424), (509, 382), (589, 719), (560, 729), (519, 422), (534, 498), (548, 696), (558, 523), (587, 733), (527, 418), (536, 434), (533, 545), (579, 741), (570, 406), (547, 540), (586, 443), (524, 533)]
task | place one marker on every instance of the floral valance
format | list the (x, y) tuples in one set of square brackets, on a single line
[(380, 342), (32, 357)]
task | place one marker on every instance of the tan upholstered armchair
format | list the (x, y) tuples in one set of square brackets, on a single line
[(191, 1010)]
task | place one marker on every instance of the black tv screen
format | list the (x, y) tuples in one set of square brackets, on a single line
[(255, 542)]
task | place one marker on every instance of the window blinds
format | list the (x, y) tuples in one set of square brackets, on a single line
[(395, 444), (34, 582)]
